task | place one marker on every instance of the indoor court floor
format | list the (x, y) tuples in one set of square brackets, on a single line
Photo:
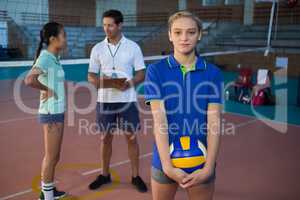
[(256, 161)]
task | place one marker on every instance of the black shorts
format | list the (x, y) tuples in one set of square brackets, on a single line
[(124, 116)]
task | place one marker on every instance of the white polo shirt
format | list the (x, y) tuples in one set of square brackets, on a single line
[(127, 58)]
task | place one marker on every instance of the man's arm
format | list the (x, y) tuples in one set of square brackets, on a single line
[(138, 78), (104, 81), (139, 67)]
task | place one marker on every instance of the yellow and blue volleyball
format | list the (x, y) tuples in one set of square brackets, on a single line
[(188, 154)]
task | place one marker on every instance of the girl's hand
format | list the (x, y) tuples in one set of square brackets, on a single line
[(196, 177), (45, 95), (176, 174)]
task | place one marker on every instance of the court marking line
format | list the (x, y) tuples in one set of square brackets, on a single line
[(114, 165), (97, 170), (83, 174), (16, 119), (16, 194), (246, 123), (19, 193), (259, 119), (242, 124)]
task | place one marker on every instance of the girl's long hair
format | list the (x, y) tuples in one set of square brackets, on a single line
[(51, 29)]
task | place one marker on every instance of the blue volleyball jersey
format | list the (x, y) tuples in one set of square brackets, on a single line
[(186, 96)]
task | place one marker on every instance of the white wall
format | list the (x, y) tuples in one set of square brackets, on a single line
[(15, 8), (232, 2), (3, 34), (182, 4), (248, 12), (211, 2), (127, 7), (220, 2)]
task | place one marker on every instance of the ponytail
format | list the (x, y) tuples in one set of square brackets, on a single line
[(39, 49), (48, 30)]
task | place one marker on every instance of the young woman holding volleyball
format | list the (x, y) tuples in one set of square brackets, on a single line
[(185, 96)]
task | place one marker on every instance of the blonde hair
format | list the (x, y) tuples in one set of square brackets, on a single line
[(187, 14)]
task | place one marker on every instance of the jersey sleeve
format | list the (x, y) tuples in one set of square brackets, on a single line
[(94, 63), (216, 88), (42, 63), (138, 62), (152, 85)]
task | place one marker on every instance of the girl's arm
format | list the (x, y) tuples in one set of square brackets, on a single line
[(213, 142), (213, 135), (160, 131), (31, 80)]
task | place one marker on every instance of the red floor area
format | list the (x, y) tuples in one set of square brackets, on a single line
[(257, 162)]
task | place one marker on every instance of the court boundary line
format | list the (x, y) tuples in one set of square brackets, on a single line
[(259, 119), (16, 119), (82, 174), (246, 123), (16, 194), (111, 165)]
